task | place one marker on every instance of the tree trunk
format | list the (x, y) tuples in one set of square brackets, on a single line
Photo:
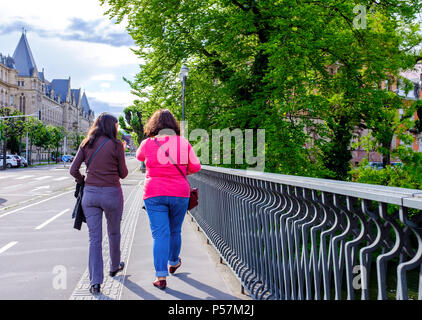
[(4, 150)]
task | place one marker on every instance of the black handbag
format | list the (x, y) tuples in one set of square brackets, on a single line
[(194, 196), (78, 213)]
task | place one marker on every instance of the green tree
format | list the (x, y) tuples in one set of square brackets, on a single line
[(132, 122), (10, 128), (57, 136), (76, 138), (41, 138), (267, 65)]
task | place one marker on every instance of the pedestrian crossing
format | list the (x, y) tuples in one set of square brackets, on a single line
[(31, 184), (32, 178)]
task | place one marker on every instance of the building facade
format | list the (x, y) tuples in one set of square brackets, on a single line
[(413, 94), (24, 87)]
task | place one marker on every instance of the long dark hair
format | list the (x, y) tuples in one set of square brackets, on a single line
[(161, 120), (104, 125)]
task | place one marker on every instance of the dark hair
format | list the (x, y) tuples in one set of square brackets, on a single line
[(161, 120), (104, 125)]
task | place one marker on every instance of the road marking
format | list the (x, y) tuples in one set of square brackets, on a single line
[(42, 178), (6, 177), (61, 179), (8, 246), (34, 204), (39, 188), (24, 177), (51, 220), (12, 188)]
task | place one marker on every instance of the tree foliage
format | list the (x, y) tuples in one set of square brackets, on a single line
[(267, 65)]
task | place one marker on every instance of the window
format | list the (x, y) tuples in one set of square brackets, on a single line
[(22, 104)]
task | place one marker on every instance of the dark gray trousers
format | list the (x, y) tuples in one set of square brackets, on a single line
[(95, 201)]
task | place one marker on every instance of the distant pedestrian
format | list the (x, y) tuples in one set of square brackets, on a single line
[(166, 190), (102, 193)]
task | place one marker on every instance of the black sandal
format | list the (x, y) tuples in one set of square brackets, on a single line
[(95, 289), (121, 267)]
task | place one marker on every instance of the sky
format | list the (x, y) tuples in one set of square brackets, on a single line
[(75, 39)]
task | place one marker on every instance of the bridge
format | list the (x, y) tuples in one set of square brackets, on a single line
[(296, 238), (253, 236)]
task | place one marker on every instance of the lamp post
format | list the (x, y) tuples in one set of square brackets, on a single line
[(184, 72)]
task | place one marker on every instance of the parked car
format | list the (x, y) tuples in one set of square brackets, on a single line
[(397, 164), (11, 161), (67, 158), (376, 165)]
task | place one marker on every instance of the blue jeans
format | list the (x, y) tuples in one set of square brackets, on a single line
[(166, 216)]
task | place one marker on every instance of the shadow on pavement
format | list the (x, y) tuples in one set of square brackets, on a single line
[(102, 297), (132, 286), (213, 292), (2, 201)]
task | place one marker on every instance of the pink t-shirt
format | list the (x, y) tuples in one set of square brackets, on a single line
[(162, 177)]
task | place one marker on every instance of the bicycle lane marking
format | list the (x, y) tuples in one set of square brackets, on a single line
[(34, 204)]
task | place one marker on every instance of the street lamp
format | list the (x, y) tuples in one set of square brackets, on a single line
[(184, 72)]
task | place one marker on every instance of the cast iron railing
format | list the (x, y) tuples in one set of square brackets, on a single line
[(293, 238)]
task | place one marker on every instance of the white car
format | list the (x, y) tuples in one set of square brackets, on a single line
[(11, 161)]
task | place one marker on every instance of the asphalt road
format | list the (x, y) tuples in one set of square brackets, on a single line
[(41, 255)]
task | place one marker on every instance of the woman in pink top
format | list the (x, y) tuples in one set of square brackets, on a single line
[(166, 191)]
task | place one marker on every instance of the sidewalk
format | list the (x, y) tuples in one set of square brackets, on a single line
[(198, 278)]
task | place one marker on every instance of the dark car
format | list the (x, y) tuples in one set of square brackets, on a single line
[(376, 165)]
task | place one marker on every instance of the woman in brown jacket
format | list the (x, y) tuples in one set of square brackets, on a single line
[(102, 193)]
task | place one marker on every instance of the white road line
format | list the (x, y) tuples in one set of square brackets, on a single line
[(24, 177), (6, 177), (34, 204), (7, 246), (39, 188), (61, 179), (51, 220), (42, 178)]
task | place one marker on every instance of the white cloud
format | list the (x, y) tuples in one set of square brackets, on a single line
[(59, 33), (104, 77), (114, 98), (105, 85)]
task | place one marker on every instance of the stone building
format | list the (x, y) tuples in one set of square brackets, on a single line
[(24, 87)]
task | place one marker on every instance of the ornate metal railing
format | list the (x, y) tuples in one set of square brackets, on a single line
[(289, 237)]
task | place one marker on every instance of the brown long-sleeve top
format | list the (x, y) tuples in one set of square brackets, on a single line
[(107, 167)]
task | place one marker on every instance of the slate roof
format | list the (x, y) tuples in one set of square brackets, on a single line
[(7, 61), (85, 105), (77, 93), (24, 61), (41, 76), (61, 87)]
